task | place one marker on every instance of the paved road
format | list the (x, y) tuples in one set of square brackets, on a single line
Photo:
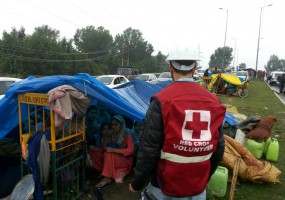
[(276, 89)]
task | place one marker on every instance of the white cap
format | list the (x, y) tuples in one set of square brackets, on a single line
[(180, 59)]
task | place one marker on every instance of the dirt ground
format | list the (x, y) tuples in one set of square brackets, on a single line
[(114, 191)]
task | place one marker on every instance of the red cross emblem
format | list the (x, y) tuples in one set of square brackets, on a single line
[(196, 125)]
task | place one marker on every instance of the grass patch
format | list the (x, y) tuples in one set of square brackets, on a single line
[(261, 102)]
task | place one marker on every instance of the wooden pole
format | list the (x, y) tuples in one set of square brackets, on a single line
[(235, 175)]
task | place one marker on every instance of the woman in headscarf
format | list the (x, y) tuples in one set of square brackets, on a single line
[(118, 157)]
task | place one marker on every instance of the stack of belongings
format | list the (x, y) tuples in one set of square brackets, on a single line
[(250, 168)]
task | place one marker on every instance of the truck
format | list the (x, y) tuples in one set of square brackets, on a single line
[(129, 72)]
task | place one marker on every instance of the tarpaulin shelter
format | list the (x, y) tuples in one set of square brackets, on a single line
[(130, 100)]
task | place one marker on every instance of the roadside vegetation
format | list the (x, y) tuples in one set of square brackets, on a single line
[(261, 102)]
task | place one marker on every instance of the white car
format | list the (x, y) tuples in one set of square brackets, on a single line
[(112, 80), (196, 76), (150, 78), (165, 76), (5, 83), (274, 77), (200, 72), (242, 75)]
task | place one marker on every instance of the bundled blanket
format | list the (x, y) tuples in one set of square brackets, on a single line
[(250, 168), (64, 100)]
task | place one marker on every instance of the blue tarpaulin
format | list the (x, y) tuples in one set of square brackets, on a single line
[(131, 99)]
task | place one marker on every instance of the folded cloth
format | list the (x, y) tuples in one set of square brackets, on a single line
[(248, 124)]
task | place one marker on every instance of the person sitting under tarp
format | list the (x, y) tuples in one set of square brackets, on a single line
[(102, 115), (118, 157), (95, 154), (229, 89), (135, 133), (93, 136)]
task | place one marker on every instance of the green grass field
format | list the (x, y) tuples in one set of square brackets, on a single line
[(261, 102)]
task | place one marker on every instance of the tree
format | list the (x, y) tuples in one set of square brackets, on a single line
[(42, 53), (97, 42), (283, 64), (216, 58), (10, 51), (242, 66), (274, 64), (133, 49), (160, 63)]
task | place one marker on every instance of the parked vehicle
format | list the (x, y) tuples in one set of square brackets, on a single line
[(242, 75), (165, 76), (112, 80), (200, 72), (196, 76), (274, 77), (5, 83), (150, 78), (129, 72)]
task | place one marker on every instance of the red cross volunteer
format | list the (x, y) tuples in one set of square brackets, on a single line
[(181, 139)]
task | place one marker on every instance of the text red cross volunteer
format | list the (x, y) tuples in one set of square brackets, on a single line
[(196, 125)]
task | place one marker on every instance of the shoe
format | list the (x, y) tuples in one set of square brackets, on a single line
[(99, 176), (120, 179), (103, 183)]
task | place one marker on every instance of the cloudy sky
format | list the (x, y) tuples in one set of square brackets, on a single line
[(166, 24)]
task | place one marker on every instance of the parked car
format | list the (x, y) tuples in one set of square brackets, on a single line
[(150, 78), (242, 75), (129, 72), (200, 72), (165, 76), (112, 80), (274, 77), (196, 76), (5, 83)]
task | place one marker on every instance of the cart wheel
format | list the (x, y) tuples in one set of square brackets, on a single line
[(243, 93)]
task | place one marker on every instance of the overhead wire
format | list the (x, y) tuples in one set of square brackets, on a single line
[(41, 52), (18, 15), (33, 59), (83, 11), (53, 13)]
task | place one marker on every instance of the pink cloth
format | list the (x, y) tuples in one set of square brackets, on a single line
[(65, 99), (115, 163)]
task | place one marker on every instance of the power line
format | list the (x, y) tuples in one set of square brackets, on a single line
[(50, 12), (41, 52), (83, 11), (33, 59)]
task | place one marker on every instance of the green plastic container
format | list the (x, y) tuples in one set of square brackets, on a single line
[(272, 153), (219, 181), (255, 148), (268, 141)]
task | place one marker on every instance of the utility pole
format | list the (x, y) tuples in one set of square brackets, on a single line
[(235, 53), (223, 60), (258, 40)]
